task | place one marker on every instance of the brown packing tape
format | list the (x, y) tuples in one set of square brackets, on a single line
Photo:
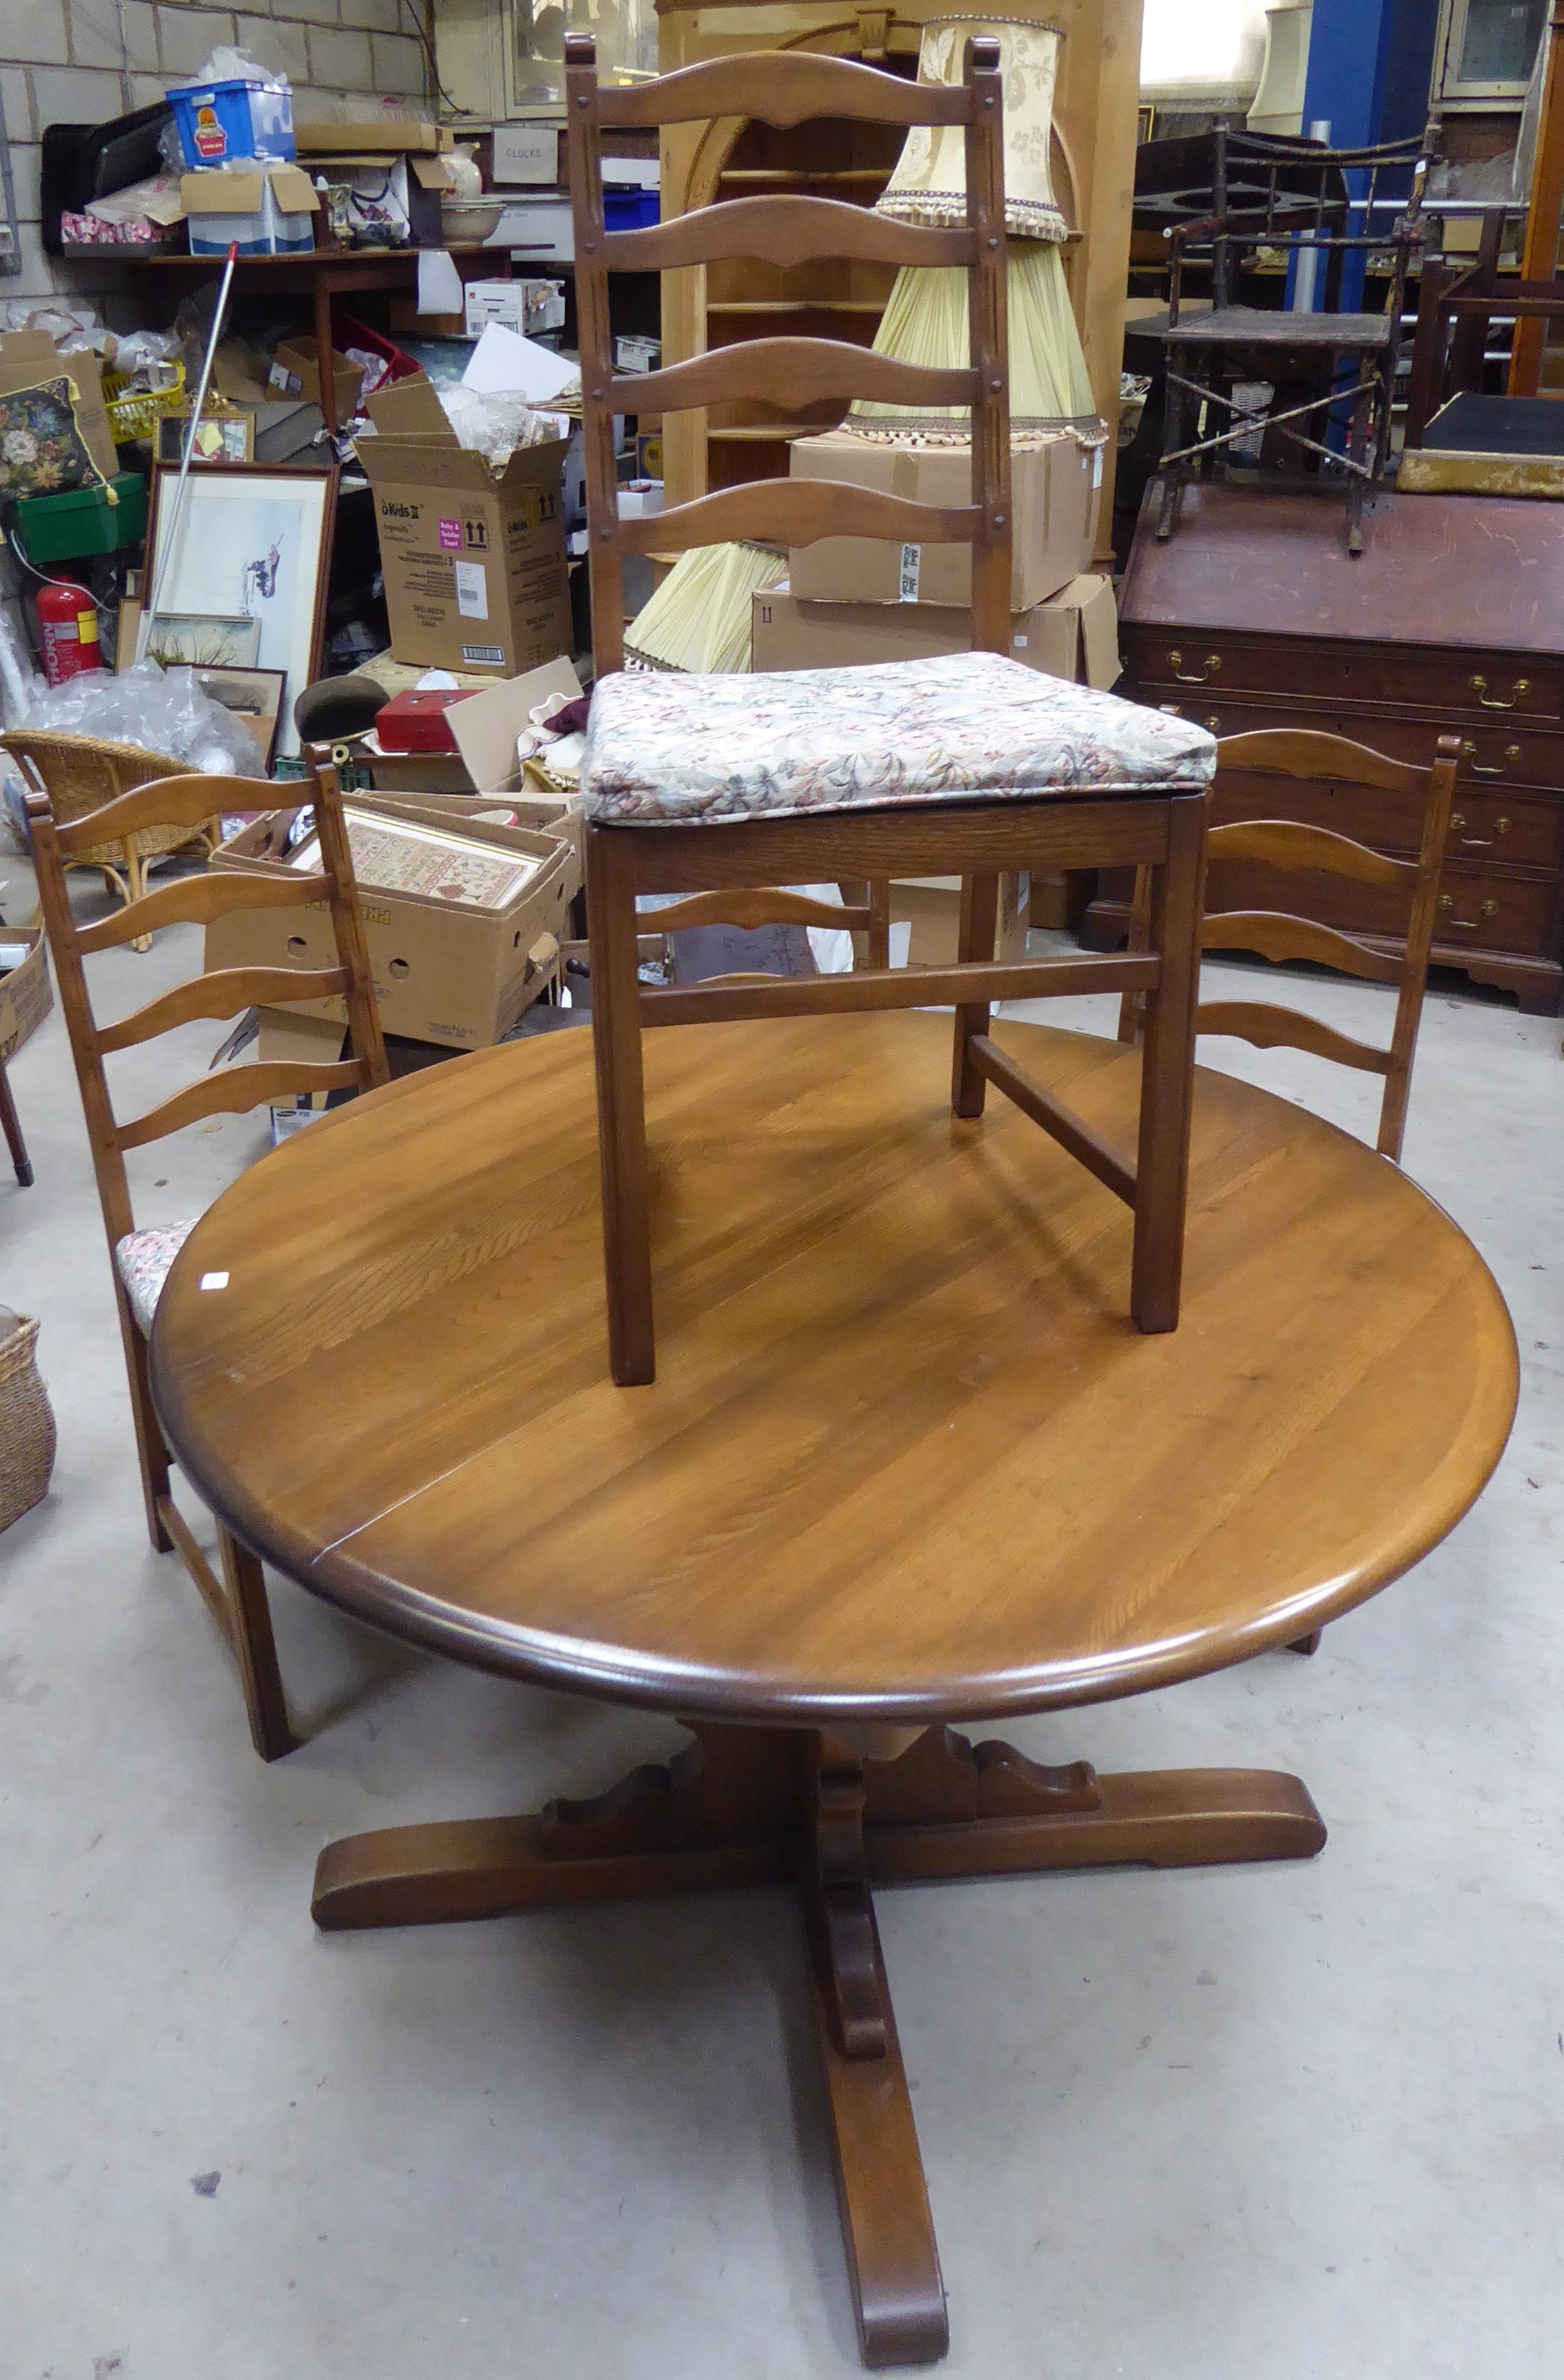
[(904, 477)]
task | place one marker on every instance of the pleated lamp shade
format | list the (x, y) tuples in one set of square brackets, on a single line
[(926, 322), (699, 617), (930, 183)]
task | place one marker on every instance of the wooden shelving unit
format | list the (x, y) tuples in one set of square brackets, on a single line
[(1094, 150)]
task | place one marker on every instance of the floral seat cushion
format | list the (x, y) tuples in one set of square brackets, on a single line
[(143, 1259), (964, 727)]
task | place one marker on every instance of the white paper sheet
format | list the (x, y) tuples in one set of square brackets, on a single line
[(503, 363), (440, 283)]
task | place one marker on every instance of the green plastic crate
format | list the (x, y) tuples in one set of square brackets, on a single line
[(84, 520)]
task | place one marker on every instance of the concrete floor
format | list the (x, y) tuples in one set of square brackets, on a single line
[(1243, 2125)]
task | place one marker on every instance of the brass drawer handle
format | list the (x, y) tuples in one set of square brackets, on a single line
[(1511, 752), (1212, 662), (1213, 722), (1477, 842), (1479, 686), (1468, 925)]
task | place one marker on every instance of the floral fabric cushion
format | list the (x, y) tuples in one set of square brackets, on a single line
[(42, 449), (143, 1259), (961, 728)]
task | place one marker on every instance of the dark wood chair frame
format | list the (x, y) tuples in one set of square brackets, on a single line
[(1256, 203), (238, 1600), (1455, 308), (725, 865)]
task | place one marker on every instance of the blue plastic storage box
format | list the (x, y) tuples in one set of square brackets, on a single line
[(220, 120), (628, 209)]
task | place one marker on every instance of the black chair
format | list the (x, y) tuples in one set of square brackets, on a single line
[(1295, 200)]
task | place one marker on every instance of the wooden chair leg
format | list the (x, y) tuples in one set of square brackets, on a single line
[(1167, 1071), (622, 1132), (256, 1648), (1132, 1002), (149, 1444), (979, 918), (11, 1123)]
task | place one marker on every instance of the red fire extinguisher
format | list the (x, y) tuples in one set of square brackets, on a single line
[(68, 624)]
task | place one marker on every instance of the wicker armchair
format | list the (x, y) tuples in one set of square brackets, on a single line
[(81, 773)]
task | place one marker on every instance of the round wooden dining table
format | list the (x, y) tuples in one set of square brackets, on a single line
[(906, 1463)]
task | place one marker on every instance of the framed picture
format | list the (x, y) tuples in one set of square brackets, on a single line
[(225, 434), (204, 640), (1146, 124), (253, 695), (250, 541)]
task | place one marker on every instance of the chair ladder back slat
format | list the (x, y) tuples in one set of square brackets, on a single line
[(223, 993), (1268, 1026), (1292, 845), (789, 373), (795, 86), (1310, 752), (1279, 934), (780, 231), (164, 801), (798, 512), (232, 1090), (196, 900)]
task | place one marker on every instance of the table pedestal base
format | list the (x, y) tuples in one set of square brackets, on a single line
[(748, 1805)]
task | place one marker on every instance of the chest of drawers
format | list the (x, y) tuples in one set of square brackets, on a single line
[(1452, 621)]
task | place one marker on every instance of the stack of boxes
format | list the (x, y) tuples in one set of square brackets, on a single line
[(859, 600)]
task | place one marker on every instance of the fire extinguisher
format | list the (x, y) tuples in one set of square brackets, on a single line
[(67, 625)]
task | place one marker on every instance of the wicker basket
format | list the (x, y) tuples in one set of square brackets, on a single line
[(27, 1421), (81, 773)]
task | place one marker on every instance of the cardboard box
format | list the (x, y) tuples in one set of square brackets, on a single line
[(1073, 634), (1055, 490), (28, 356), (26, 994), (443, 971), (295, 371), (404, 133), (270, 212), (932, 906), (484, 769), (474, 560)]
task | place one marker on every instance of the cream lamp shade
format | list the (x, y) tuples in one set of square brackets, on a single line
[(930, 183)]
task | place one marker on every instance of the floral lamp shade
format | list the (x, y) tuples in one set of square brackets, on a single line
[(42, 449), (930, 183)]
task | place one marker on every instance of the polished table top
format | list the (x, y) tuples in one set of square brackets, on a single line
[(905, 1457)]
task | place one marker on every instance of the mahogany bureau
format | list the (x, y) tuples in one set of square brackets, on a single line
[(1253, 614)]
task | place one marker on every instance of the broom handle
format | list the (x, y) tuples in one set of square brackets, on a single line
[(169, 532)]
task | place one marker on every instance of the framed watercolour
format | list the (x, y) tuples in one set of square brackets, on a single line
[(204, 640), (254, 696), (251, 542)]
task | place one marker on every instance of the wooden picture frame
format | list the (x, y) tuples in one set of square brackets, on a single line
[(252, 539), (254, 696), (234, 429)]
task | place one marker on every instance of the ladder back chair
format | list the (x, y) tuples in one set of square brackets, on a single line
[(140, 1261), (1276, 934), (720, 787)]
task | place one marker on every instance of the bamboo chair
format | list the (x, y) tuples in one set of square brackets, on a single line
[(140, 1261), (83, 773), (1284, 844), (1078, 782)]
